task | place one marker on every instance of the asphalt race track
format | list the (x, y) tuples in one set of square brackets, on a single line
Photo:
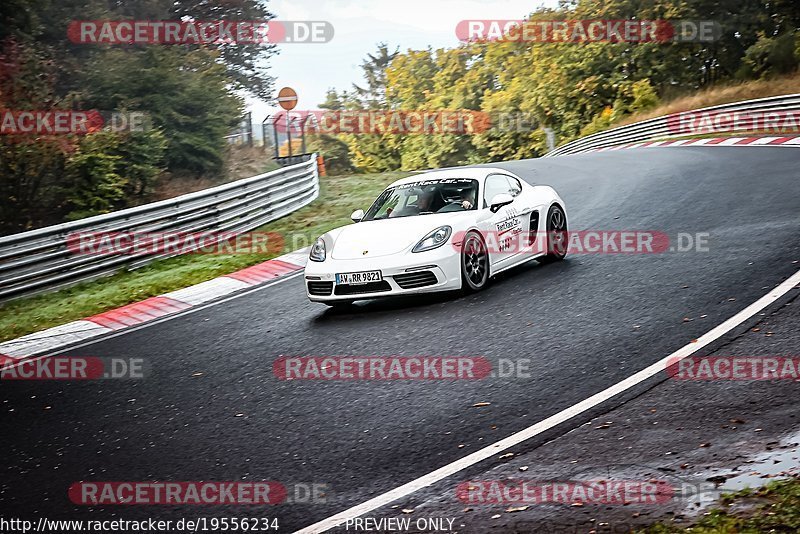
[(585, 323)]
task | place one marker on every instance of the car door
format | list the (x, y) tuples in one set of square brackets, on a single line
[(505, 227), (525, 205)]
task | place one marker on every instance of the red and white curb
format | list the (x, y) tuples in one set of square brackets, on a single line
[(150, 309), (715, 141)]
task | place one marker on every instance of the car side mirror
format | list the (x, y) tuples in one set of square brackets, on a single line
[(500, 200), (357, 215)]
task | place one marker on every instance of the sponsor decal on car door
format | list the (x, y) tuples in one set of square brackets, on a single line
[(504, 239)]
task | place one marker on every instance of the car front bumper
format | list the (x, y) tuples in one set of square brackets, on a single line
[(410, 269)]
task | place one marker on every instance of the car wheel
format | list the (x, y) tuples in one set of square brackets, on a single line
[(474, 263), (557, 235)]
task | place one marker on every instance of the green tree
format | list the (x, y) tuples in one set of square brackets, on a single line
[(95, 186), (769, 56), (190, 94), (30, 167), (373, 152), (183, 92), (333, 148), (373, 96)]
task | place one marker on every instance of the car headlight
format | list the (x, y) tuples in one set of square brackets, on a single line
[(317, 250), (437, 238)]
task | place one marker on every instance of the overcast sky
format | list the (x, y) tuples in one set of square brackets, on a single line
[(359, 26)]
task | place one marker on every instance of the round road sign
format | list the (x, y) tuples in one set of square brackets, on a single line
[(287, 98)]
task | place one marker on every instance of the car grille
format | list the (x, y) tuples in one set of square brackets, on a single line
[(371, 287), (415, 279), (322, 289)]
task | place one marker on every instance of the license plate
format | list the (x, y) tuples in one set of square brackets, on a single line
[(354, 279)]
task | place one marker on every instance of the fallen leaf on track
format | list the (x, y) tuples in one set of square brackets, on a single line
[(516, 509)]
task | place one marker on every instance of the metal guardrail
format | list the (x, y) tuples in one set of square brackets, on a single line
[(670, 126), (41, 260)]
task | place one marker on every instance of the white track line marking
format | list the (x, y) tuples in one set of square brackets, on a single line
[(554, 420)]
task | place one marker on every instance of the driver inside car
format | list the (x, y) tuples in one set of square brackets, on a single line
[(463, 201), (425, 201), (422, 205), (467, 199)]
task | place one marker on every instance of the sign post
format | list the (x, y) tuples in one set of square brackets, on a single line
[(287, 99)]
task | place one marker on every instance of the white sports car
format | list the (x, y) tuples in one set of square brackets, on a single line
[(437, 231)]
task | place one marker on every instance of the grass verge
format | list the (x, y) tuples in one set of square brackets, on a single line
[(339, 196), (772, 508)]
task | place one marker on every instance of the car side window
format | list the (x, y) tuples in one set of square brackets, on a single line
[(495, 184)]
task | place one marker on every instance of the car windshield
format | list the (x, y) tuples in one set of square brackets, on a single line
[(424, 198)]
